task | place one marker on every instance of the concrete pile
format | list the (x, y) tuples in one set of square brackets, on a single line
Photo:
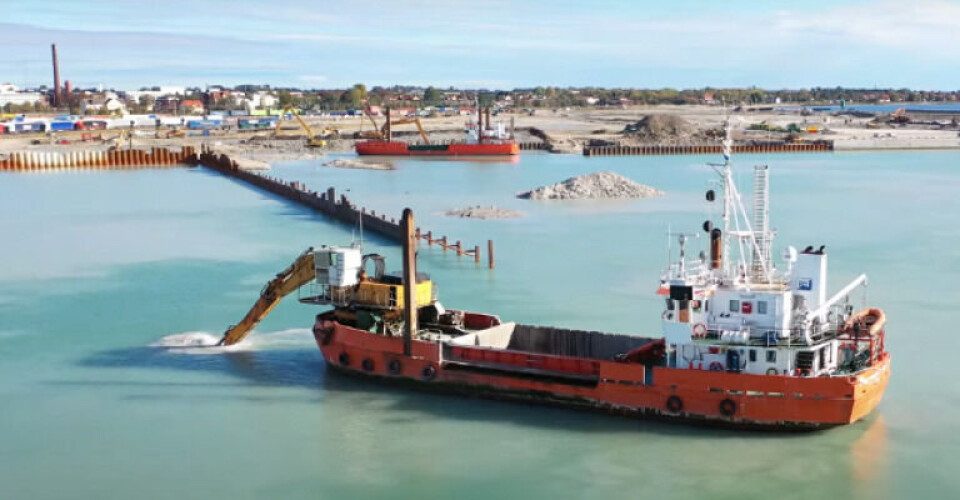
[(597, 186)]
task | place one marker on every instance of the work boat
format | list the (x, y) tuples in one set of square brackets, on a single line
[(744, 344)]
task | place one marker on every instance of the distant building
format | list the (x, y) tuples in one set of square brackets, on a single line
[(193, 106), (97, 104), (10, 94)]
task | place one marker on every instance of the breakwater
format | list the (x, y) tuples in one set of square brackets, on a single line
[(328, 203), (660, 149), (96, 160)]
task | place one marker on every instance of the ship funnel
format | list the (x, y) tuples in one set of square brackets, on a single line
[(409, 279), (716, 248)]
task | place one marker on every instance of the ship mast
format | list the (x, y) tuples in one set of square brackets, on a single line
[(737, 223)]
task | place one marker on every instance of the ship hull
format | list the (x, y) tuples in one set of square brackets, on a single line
[(746, 401), (394, 148)]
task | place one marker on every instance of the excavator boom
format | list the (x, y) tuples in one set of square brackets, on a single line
[(311, 138), (402, 121), (301, 272)]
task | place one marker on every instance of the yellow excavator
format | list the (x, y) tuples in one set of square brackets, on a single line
[(387, 127), (286, 282), (340, 280), (312, 139), (384, 132)]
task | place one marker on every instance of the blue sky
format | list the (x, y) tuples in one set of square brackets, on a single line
[(490, 43)]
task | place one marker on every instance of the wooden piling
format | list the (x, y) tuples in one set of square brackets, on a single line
[(490, 254)]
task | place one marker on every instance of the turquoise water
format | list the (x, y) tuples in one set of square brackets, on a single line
[(99, 267)]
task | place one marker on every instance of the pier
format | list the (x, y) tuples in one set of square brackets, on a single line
[(339, 208), (116, 159), (688, 149)]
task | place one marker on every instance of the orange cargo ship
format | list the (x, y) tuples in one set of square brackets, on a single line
[(397, 148), (744, 344), (480, 140)]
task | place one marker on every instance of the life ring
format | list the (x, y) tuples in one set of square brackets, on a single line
[(716, 366), (699, 331), (394, 367), (344, 359), (772, 371), (367, 365), (728, 407), (674, 404), (428, 372)]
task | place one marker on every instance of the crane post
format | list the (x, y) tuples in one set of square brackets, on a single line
[(389, 127), (409, 279)]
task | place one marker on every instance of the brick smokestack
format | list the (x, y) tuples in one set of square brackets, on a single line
[(56, 75)]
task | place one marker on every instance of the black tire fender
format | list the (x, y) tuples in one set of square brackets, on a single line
[(674, 404), (395, 367), (728, 407)]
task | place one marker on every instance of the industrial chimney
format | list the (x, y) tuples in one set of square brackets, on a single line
[(56, 76)]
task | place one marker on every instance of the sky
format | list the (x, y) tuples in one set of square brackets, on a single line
[(494, 44)]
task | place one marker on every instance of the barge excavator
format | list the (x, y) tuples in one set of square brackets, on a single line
[(339, 279)]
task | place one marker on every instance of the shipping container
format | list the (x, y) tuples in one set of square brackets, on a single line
[(61, 125), (94, 124), (202, 124), (23, 127)]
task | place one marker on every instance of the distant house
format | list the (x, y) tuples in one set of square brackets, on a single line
[(193, 106), (708, 99), (109, 104)]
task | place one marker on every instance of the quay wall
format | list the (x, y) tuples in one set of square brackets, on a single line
[(116, 159), (660, 149)]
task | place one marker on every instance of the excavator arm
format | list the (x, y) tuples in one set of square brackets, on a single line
[(402, 121), (311, 139), (299, 273)]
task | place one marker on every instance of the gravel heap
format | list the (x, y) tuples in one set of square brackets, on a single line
[(662, 129), (479, 212), (596, 186), (355, 163)]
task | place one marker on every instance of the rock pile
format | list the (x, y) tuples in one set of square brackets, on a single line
[(355, 163), (479, 212), (596, 186)]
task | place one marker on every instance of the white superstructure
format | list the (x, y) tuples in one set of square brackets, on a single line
[(735, 311)]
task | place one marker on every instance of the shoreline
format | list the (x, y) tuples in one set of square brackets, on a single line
[(562, 131)]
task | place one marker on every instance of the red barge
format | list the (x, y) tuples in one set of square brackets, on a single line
[(480, 140), (744, 344)]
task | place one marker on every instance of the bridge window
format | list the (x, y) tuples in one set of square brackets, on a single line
[(771, 356), (735, 306), (761, 307), (753, 355)]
